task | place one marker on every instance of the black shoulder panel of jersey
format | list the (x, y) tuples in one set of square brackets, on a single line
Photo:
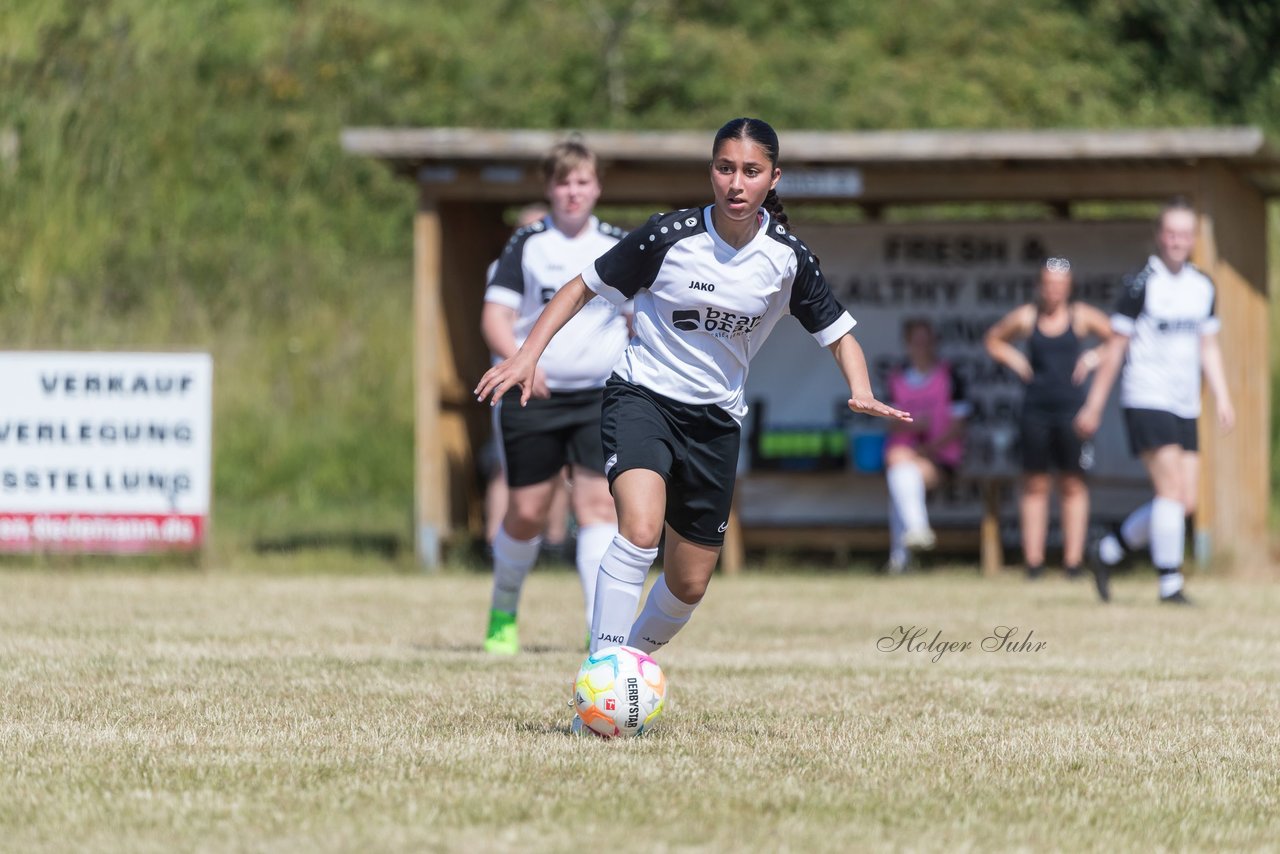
[(1134, 295), (510, 272), (663, 230), (634, 263), (612, 231), (812, 302)]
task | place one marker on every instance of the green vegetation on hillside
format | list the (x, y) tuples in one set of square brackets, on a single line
[(179, 183)]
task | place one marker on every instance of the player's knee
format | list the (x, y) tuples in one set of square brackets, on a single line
[(688, 590), (1073, 487), (642, 533), (523, 523)]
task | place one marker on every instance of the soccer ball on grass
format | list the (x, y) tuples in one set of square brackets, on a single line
[(619, 691)]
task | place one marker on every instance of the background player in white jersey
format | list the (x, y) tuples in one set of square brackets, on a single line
[(1165, 321), (709, 284), (562, 423)]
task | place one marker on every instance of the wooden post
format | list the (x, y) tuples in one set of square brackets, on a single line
[(1234, 495), (990, 548), (431, 489), (732, 553)]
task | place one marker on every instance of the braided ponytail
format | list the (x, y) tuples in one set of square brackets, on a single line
[(773, 205)]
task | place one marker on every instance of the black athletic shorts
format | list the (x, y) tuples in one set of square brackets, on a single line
[(1050, 443), (1154, 428), (539, 438), (694, 447)]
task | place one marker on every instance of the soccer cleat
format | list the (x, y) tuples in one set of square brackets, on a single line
[(1101, 574), (1035, 573), (1074, 573), (501, 638), (920, 539), (898, 566), (1175, 598)]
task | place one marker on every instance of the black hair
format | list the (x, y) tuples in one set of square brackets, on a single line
[(759, 132)]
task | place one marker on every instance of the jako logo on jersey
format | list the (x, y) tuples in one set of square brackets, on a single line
[(702, 286), (686, 319)]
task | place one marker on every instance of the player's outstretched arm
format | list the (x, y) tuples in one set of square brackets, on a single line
[(853, 364), (521, 368)]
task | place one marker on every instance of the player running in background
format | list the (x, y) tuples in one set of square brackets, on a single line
[(490, 458), (921, 454), (561, 422), (709, 285), (1054, 370), (1165, 321)]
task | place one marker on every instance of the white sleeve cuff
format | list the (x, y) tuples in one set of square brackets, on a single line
[(503, 296), (835, 331), (1210, 326), (598, 286), (1122, 324)]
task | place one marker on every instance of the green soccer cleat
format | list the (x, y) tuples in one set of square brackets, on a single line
[(502, 639)]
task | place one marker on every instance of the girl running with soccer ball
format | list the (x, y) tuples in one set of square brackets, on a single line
[(709, 285)]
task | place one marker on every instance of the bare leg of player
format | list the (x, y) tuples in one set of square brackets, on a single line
[(1033, 507), (687, 568)]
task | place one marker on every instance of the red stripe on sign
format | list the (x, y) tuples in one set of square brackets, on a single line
[(125, 533)]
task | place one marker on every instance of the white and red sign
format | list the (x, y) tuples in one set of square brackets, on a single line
[(105, 452)]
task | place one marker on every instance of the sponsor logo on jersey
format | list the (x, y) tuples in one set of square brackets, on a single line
[(721, 324), (686, 319), (702, 286), (1176, 326)]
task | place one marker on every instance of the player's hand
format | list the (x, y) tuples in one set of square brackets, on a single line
[(870, 406), (1022, 368), (1086, 423), (519, 370), (540, 389), (1084, 366), (1226, 415)]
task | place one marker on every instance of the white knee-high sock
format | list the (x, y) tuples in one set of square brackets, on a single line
[(1136, 528), (1168, 540), (662, 616), (593, 541), (897, 549), (906, 490), (618, 587), (512, 560)]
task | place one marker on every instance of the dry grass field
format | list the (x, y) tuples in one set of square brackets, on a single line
[(217, 711)]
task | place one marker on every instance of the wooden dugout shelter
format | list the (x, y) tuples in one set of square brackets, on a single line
[(466, 178)]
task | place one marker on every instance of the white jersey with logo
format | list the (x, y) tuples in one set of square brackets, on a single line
[(703, 309), (538, 260), (1164, 315)]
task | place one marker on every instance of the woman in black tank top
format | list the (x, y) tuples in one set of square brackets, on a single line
[(1054, 369)]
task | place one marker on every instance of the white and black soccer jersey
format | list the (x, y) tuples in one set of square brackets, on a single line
[(703, 308), (1164, 315), (538, 260)]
